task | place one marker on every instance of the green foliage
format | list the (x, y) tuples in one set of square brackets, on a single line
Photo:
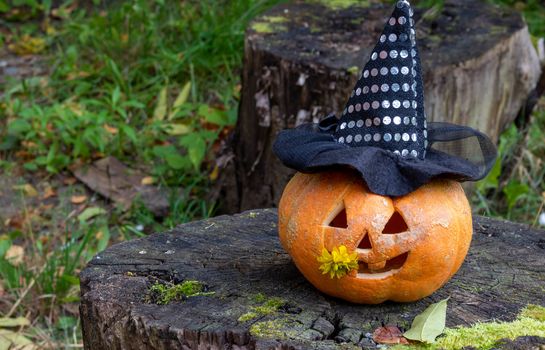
[(266, 306), (165, 293)]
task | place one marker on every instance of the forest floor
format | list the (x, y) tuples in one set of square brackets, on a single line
[(153, 88)]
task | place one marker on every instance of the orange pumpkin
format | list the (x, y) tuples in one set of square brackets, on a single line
[(407, 247)]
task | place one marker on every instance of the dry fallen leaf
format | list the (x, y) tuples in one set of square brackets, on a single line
[(70, 180), (389, 335), (27, 189), (15, 255), (110, 129), (147, 180), (49, 192), (78, 199)]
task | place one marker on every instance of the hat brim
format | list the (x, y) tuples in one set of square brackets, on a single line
[(468, 156)]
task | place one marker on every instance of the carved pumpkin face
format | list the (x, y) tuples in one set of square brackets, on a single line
[(407, 247)]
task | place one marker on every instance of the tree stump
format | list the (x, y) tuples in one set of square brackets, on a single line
[(303, 58), (240, 260)]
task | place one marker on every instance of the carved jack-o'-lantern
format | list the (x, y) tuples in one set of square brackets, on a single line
[(407, 247)]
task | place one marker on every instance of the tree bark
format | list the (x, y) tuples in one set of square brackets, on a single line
[(302, 60), (238, 257)]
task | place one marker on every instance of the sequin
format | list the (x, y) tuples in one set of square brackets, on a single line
[(402, 20), (384, 71), (413, 137), (359, 123), (396, 104), (349, 139), (376, 137), (406, 120), (414, 153), (351, 124), (397, 120), (415, 104), (414, 121), (366, 89), (376, 121), (392, 21), (366, 106), (368, 122), (341, 139), (406, 104), (404, 153), (358, 107), (374, 88), (374, 72), (385, 104), (405, 87), (383, 54), (393, 54), (397, 152), (392, 37), (357, 138), (387, 137), (374, 56), (386, 120), (375, 105), (406, 137), (404, 70), (358, 91), (403, 37), (395, 87), (397, 137), (413, 52), (384, 87), (366, 73), (426, 133), (367, 137), (394, 70), (350, 109), (382, 38), (343, 126)]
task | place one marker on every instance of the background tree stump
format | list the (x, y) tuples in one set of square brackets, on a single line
[(303, 58), (238, 257)]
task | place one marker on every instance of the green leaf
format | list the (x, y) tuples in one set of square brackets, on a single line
[(515, 191), (181, 99), (429, 324), (213, 115), (18, 127), (176, 161), (196, 148), (13, 340), (90, 213), (160, 111), (177, 129), (6, 322)]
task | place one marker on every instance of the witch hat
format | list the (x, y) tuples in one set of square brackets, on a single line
[(383, 133)]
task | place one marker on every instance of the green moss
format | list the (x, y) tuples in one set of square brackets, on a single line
[(277, 328), (342, 4), (531, 322), (163, 293), (270, 24), (268, 306), (536, 312), (353, 70)]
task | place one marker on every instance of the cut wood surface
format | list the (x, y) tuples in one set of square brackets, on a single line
[(240, 260), (303, 58)]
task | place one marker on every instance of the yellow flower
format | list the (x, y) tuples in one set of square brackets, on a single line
[(338, 263)]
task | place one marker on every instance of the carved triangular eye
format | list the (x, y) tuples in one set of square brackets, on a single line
[(339, 218), (396, 224)]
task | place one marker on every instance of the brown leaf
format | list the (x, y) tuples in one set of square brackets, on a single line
[(147, 180), (78, 199), (389, 335), (15, 255), (49, 192), (110, 129), (70, 180)]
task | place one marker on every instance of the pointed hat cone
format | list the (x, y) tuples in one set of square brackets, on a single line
[(382, 133)]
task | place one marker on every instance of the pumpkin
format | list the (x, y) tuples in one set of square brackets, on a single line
[(407, 247)]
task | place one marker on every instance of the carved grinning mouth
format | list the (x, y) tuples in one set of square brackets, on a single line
[(391, 267)]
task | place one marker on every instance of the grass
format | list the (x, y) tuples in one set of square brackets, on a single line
[(156, 85)]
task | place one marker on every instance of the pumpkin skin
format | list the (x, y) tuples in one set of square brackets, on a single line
[(409, 246)]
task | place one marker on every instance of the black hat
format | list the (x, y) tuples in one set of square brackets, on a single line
[(383, 133)]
